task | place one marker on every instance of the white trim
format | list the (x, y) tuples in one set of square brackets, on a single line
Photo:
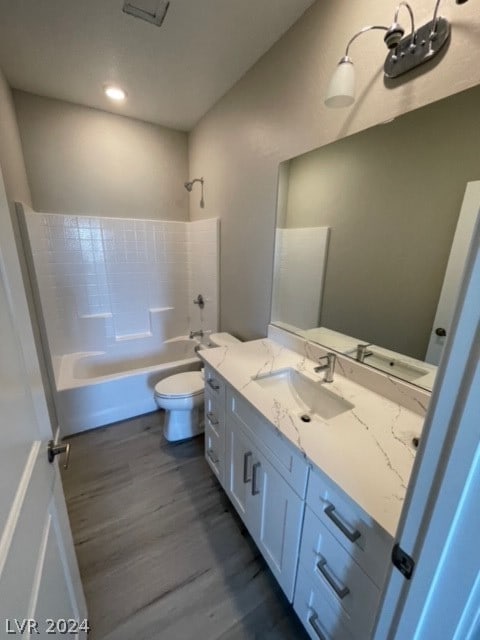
[(17, 504), (37, 578), (470, 621), (64, 559)]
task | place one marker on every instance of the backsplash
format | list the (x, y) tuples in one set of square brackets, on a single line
[(107, 281)]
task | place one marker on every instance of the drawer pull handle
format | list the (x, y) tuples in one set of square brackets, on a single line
[(212, 384), (351, 535), (313, 621), (339, 590), (246, 456), (212, 456), (255, 491), (212, 419)]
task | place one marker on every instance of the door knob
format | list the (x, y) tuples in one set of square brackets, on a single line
[(54, 450), (440, 331)]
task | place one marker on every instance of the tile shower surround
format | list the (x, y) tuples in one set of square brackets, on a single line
[(107, 281)]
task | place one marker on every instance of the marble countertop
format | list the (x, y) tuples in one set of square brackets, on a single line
[(367, 451)]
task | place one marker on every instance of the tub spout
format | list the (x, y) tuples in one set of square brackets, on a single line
[(195, 334)]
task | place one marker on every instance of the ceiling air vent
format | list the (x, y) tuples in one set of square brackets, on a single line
[(153, 11)]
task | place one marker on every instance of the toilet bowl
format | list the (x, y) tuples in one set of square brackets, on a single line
[(181, 397)]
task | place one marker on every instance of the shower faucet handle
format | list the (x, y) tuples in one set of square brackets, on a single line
[(200, 301)]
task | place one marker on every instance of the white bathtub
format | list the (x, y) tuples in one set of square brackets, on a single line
[(97, 388)]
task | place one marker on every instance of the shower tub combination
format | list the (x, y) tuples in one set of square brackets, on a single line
[(94, 389)]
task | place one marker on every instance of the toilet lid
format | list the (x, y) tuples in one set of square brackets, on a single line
[(181, 385)]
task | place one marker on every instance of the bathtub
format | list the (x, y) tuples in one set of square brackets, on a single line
[(94, 389)]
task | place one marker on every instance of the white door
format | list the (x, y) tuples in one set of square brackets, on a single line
[(454, 273), (40, 590), (277, 515)]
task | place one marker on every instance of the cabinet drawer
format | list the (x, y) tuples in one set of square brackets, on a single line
[(215, 453), (288, 461), (214, 383), (214, 413), (330, 566), (360, 535), (321, 617)]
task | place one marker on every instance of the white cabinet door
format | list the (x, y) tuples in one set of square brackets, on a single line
[(238, 470), (278, 516), (269, 507), (39, 577)]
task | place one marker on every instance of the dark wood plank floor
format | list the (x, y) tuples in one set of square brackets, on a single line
[(161, 552)]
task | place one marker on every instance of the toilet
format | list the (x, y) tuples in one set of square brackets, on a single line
[(181, 397)]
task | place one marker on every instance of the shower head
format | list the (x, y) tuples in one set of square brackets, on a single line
[(189, 186)]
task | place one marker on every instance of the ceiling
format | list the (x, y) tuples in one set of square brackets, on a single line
[(173, 74)]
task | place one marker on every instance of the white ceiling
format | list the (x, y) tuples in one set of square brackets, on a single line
[(173, 74)]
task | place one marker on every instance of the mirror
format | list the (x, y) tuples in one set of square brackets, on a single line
[(372, 235)]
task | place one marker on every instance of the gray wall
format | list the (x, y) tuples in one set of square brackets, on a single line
[(276, 112), (11, 157), (82, 160), (391, 196), (16, 188)]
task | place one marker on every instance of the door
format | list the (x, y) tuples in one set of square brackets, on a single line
[(454, 273), (40, 590), (277, 514), (238, 469)]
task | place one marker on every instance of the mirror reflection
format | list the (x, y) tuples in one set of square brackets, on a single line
[(372, 236)]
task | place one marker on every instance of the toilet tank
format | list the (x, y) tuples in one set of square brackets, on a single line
[(222, 340)]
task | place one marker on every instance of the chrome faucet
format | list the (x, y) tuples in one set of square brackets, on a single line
[(328, 366), (194, 334), (362, 352)]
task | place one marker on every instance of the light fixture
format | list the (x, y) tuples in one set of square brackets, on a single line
[(405, 52), (189, 186), (156, 17), (114, 93)]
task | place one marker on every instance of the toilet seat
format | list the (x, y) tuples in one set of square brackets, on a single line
[(181, 385)]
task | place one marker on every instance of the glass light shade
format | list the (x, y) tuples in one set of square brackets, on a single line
[(341, 90)]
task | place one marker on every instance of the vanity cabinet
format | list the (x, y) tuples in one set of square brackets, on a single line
[(328, 555), (343, 561), (215, 424), (270, 508)]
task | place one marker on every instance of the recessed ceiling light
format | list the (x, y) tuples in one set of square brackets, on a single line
[(115, 93)]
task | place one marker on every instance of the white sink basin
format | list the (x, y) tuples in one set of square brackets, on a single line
[(304, 396), (395, 366)]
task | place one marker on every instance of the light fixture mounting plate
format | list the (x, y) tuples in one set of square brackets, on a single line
[(406, 57), (156, 17)]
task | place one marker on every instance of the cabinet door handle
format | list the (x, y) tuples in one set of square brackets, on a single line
[(212, 456), (313, 621), (255, 491), (212, 385), (246, 456), (339, 589), (351, 535), (212, 419)]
